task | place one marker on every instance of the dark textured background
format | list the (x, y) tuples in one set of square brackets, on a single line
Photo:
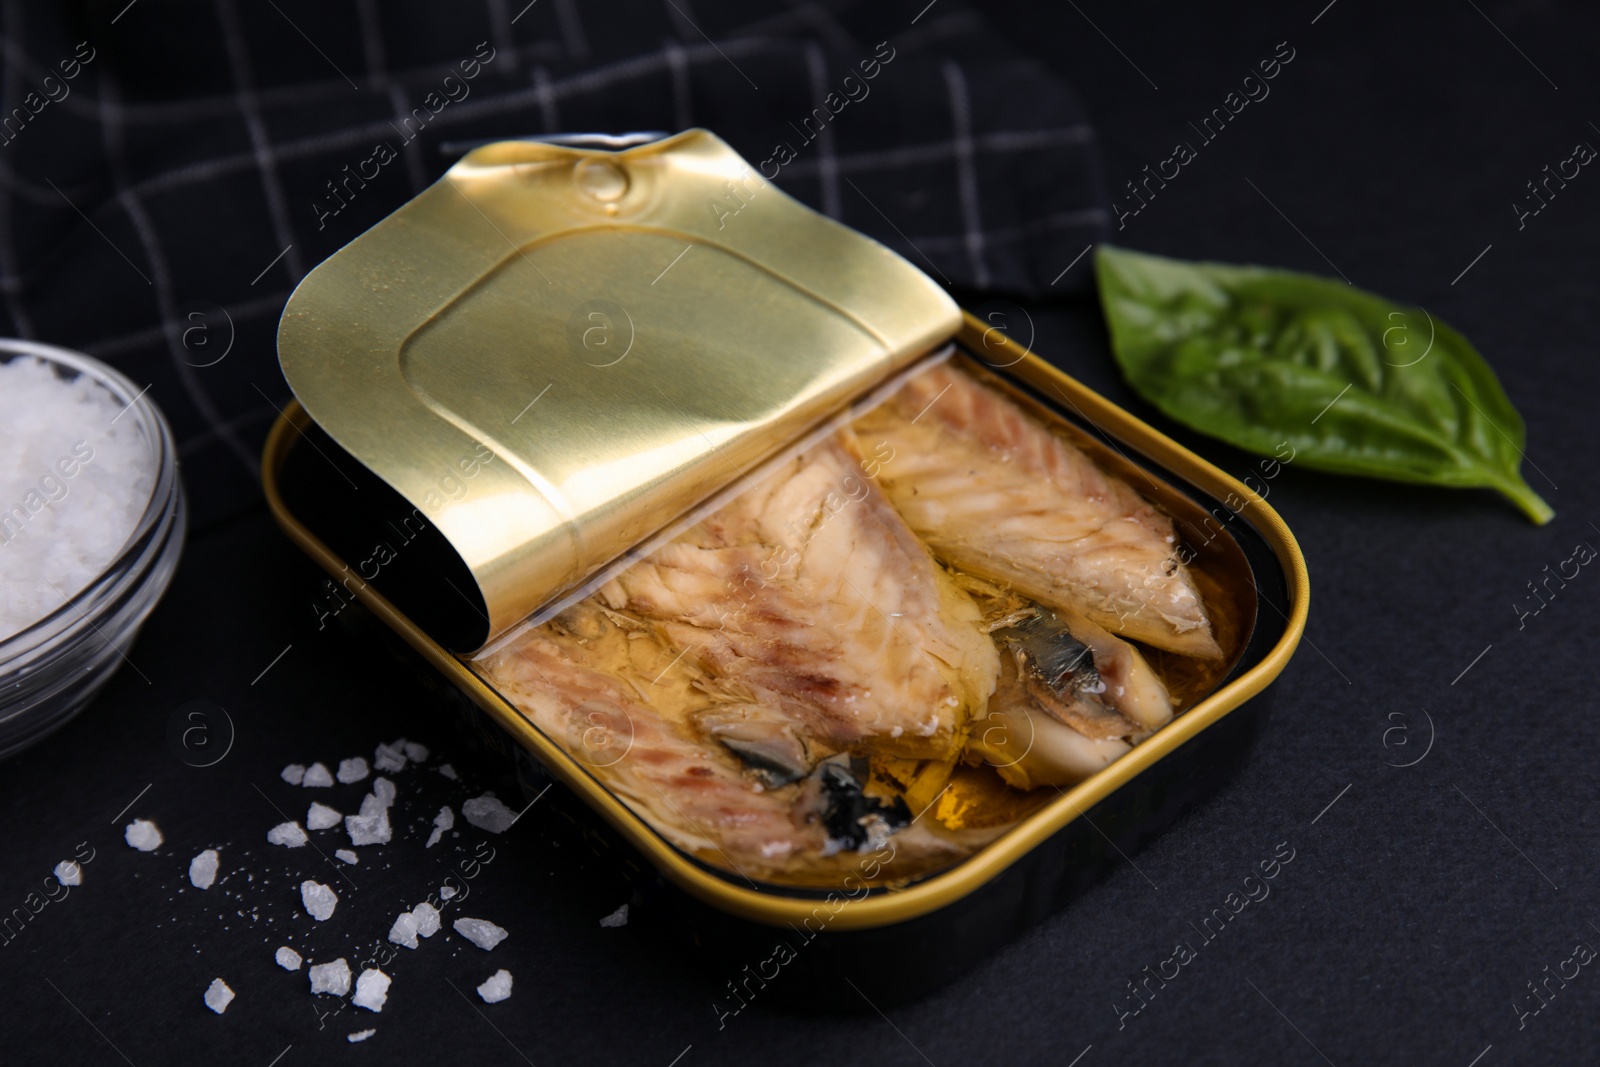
[(1417, 906)]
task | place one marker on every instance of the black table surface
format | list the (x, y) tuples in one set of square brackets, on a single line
[(1430, 763)]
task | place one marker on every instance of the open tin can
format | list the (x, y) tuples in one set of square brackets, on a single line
[(558, 363)]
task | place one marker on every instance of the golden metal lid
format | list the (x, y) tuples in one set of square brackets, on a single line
[(554, 352)]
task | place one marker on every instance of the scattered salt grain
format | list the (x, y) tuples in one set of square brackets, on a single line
[(416, 753), (294, 774), (360, 1035), (389, 757), (331, 977), (322, 817), (404, 930), (384, 790), (143, 835), (344, 855), (616, 918), (481, 932), (426, 916), (203, 869), (446, 892), (368, 829), (496, 987), (487, 813), (287, 834), (218, 996), (318, 899), (317, 776), (288, 958), (73, 483), (448, 771), (352, 770), (445, 820), (372, 989), (69, 873)]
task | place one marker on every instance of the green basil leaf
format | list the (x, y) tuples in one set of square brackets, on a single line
[(1270, 360)]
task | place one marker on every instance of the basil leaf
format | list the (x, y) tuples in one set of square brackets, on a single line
[(1352, 382)]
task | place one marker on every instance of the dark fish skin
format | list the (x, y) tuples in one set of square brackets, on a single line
[(1059, 672)]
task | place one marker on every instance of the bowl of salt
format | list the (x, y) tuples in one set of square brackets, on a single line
[(91, 527)]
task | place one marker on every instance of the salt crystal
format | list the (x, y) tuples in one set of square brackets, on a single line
[(404, 930), (616, 918), (317, 776), (487, 813), (441, 822), (69, 873), (360, 1035), (372, 989), (426, 916), (385, 791), (389, 758), (368, 829), (345, 855), (322, 817), (218, 996), (294, 774), (352, 770), (318, 899), (203, 869), (288, 958), (448, 771), (446, 892), (481, 932), (143, 835), (496, 987), (372, 806), (74, 479), (287, 834), (416, 753), (331, 977)]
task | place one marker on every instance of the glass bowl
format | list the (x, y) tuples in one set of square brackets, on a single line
[(50, 670)]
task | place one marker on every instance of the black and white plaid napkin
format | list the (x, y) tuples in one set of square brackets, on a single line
[(169, 169)]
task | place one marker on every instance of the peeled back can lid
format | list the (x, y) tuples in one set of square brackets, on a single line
[(557, 350)]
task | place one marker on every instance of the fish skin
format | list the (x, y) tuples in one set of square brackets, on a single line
[(995, 493), (809, 591)]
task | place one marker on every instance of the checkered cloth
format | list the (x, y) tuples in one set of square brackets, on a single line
[(167, 166)]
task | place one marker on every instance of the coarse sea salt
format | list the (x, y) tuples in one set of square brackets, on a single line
[(68, 872), (488, 813), (75, 478), (404, 930), (352, 770), (359, 1036), (426, 916), (481, 932), (445, 820), (287, 958), (496, 987), (446, 892), (318, 899), (416, 753), (331, 977), (317, 776), (368, 829), (344, 855), (372, 989), (384, 790), (448, 771), (143, 835), (287, 834), (294, 774), (390, 757), (203, 869), (218, 996), (322, 817), (616, 918)]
